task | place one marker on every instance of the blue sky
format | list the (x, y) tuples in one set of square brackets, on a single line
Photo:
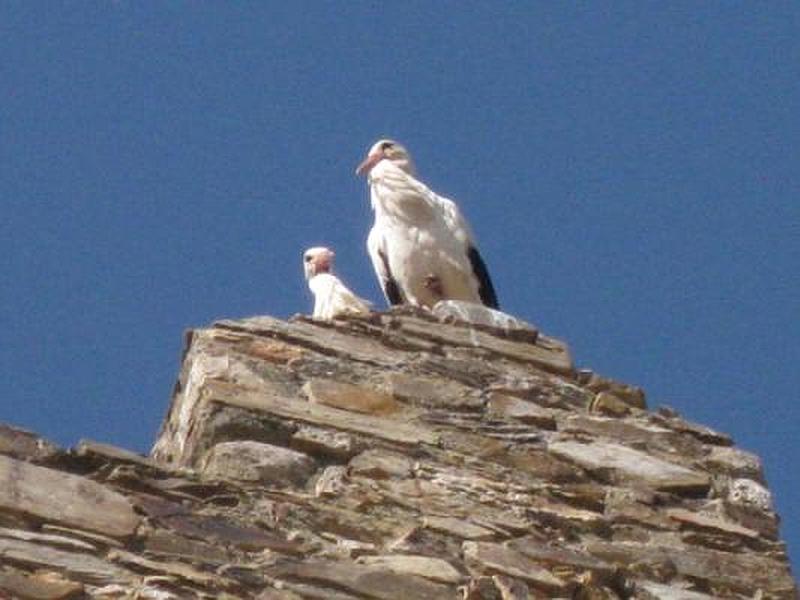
[(630, 170)]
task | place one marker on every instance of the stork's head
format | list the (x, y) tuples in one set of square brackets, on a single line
[(317, 260), (387, 150)]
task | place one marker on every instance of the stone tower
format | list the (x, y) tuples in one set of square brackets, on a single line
[(396, 456)]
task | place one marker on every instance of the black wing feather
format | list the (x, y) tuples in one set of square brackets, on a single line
[(390, 288), (485, 287)]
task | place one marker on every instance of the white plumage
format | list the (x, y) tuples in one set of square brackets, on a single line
[(331, 297), (421, 246)]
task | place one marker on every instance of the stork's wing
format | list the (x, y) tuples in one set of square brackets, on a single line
[(376, 247), (485, 287), (346, 301), (458, 225)]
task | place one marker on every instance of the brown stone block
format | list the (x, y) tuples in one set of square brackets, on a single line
[(350, 397)]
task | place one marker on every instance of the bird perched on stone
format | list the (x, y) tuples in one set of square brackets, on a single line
[(331, 297), (422, 248)]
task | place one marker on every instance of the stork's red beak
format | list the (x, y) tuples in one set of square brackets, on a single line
[(369, 162)]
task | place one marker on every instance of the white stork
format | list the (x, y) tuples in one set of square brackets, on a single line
[(421, 246), (331, 297)]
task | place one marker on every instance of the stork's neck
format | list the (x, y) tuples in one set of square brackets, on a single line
[(396, 197), (321, 283), (387, 167)]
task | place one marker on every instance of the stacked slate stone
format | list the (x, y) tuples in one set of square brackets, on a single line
[(392, 456)]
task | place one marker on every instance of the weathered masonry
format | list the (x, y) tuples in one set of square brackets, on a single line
[(395, 456)]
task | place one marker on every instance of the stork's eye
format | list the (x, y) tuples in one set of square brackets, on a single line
[(386, 145), (308, 258)]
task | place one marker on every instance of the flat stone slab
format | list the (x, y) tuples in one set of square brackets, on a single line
[(167, 543), (169, 568), (428, 567), (458, 528), (67, 543), (710, 522), (109, 452), (630, 464), (64, 498), (553, 556), (547, 353), (319, 338), (221, 530), (495, 558), (368, 581), (80, 566), (390, 429), (380, 464)]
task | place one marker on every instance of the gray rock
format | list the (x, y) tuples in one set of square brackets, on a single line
[(749, 493), (254, 461)]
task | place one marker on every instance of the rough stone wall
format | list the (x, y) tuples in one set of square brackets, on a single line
[(391, 457)]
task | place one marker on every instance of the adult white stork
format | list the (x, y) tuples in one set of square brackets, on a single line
[(421, 246), (331, 297)]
